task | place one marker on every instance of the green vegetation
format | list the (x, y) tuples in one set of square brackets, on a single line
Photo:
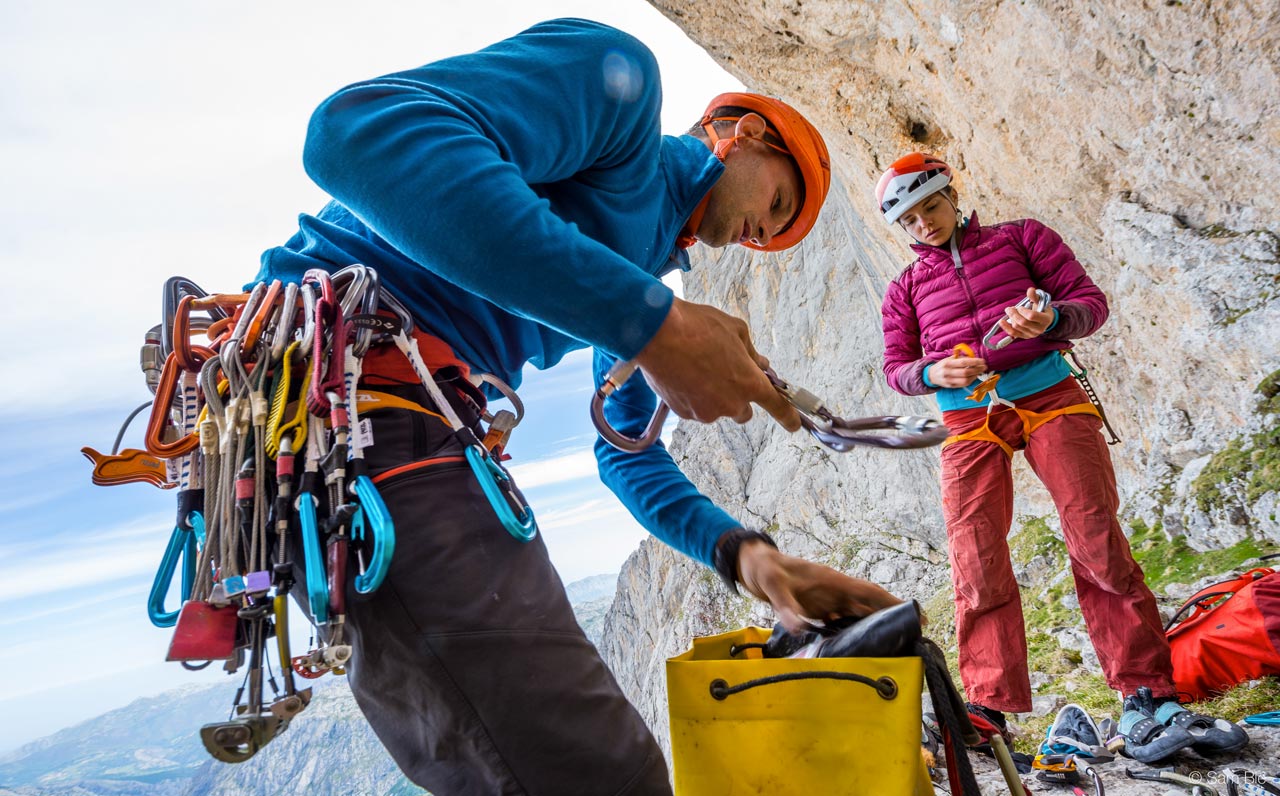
[(1248, 463), (1166, 560)]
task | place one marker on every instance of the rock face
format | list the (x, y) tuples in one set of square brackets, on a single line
[(1144, 132)]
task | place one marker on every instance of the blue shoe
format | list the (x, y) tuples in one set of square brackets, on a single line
[(1209, 735), (1146, 739), (1074, 732)]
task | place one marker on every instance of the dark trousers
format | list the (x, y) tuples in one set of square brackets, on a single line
[(468, 661)]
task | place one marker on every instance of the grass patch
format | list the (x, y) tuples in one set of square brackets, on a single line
[(1033, 539), (1248, 464), (1165, 561), (1257, 696)]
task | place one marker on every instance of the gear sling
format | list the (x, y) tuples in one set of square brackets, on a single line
[(219, 417)]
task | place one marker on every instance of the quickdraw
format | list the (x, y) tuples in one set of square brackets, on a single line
[(276, 380), (835, 432)]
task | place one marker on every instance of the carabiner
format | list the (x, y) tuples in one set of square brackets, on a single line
[(1041, 304), (380, 526), (844, 434), (182, 545), (615, 378), (488, 473), (317, 583)]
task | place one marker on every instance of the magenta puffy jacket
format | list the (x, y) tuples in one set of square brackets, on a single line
[(935, 304)]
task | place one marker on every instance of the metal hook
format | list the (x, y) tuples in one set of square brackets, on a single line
[(1041, 304)]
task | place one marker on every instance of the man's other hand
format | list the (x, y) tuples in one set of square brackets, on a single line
[(702, 364), (802, 592)]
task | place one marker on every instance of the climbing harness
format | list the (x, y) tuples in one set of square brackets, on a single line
[(1030, 420), (835, 432), (277, 380)]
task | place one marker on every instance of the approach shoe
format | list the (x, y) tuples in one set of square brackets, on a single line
[(1209, 735), (1146, 739), (989, 722), (1074, 732)]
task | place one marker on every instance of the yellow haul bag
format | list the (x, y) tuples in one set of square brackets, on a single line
[(748, 724)]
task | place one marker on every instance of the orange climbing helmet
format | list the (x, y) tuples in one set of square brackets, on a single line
[(910, 179), (798, 138)]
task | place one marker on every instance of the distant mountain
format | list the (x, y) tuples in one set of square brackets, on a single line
[(590, 589), (591, 598), (151, 747)]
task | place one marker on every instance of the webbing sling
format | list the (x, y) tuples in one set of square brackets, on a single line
[(1030, 422)]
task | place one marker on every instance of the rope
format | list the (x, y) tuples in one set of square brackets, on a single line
[(954, 718), (886, 687)]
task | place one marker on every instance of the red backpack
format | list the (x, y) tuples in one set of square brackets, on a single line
[(1232, 634)]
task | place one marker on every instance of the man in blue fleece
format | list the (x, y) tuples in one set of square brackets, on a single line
[(522, 202)]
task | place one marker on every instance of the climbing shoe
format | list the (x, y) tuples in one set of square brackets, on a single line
[(1146, 739), (1208, 734), (888, 633)]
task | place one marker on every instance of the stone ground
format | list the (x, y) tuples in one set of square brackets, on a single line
[(1261, 756)]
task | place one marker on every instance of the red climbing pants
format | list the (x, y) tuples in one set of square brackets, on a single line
[(1070, 457)]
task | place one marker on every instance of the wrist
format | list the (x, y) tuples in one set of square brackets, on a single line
[(727, 553), (668, 332)]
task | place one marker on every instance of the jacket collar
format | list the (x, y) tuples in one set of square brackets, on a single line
[(691, 171), (925, 251)]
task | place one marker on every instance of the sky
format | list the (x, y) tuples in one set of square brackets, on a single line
[(145, 139)]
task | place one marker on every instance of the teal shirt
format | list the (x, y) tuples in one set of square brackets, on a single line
[(523, 203), (1038, 374)]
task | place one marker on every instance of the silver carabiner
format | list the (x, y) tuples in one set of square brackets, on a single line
[(1041, 304)]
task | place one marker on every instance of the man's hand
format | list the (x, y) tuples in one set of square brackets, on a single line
[(702, 364), (801, 591), (956, 371), (1023, 323)]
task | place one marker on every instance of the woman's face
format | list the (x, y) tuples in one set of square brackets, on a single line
[(932, 220)]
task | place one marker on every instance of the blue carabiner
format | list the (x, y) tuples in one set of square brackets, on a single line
[(317, 585), (382, 528), (488, 472), (1268, 719), (182, 545)]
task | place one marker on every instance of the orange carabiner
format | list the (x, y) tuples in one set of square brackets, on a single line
[(988, 380), (160, 405), (260, 317), (189, 358)]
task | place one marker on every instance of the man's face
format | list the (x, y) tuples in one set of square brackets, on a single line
[(756, 197), (932, 220)]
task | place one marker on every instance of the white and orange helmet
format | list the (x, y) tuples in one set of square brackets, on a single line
[(908, 181)]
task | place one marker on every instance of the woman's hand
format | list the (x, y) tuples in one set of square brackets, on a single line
[(956, 371), (801, 591), (1024, 323)]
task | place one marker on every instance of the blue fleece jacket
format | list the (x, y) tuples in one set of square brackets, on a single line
[(523, 203)]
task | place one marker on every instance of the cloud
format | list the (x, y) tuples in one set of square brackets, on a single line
[(31, 569), (545, 472)]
